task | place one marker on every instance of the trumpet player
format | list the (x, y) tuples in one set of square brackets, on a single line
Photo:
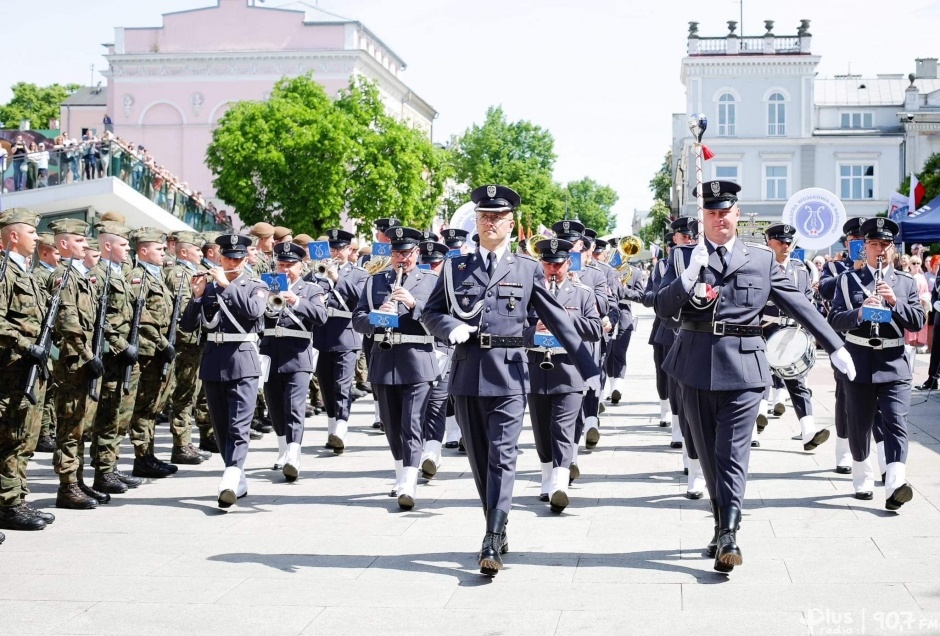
[(403, 364), (883, 381), (291, 318), (556, 388)]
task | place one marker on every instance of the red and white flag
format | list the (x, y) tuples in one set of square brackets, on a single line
[(917, 194)]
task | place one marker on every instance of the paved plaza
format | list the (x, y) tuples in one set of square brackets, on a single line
[(332, 554)]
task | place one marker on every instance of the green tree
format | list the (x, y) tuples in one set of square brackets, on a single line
[(591, 203), (38, 104), (930, 178), (660, 214), (300, 159), (520, 155)]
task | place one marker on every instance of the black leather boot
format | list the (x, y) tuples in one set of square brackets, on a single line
[(712, 548), (17, 517), (929, 385), (728, 553), (490, 560)]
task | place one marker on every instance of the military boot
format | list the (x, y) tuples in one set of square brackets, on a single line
[(170, 469), (100, 497), (45, 444), (127, 480), (713, 544), (208, 443), (146, 466), (728, 554), (109, 483), (490, 560), (18, 518), (71, 496), (185, 454), (47, 517)]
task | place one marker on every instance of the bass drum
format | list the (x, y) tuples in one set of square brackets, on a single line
[(791, 353)]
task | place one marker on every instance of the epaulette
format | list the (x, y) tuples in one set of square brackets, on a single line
[(359, 267), (763, 247), (903, 273), (593, 265), (798, 263), (581, 285), (255, 280), (525, 256), (685, 247)]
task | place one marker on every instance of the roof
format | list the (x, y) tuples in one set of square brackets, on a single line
[(88, 96), (862, 91)]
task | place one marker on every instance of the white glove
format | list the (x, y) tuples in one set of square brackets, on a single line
[(460, 334), (936, 306), (594, 383), (696, 263), (842, 361)]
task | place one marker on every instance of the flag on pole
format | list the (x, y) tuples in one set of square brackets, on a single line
[(898, 205), (917, 194)]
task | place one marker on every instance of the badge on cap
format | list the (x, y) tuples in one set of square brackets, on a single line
[(451, 233), (566, 225), (786, 229), (399, 233), (430, 247), (234, 239), (716, 188), (880, 223), (491, 191), (335, 232), (554, 245)]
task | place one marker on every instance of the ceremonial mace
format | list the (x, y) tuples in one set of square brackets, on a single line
[(697, 124)]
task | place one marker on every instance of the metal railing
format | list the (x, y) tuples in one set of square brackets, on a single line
[(90, 160)]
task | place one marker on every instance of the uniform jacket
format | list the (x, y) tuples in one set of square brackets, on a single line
[(246, 299), (649, 294), (75, 323), (498, 306), (338, 333), (120, 305), (729, 363), (22, 309), (802, 280), (290, 354), (172, 277), (886, 365), (581, 308), (410, 363), (831, 271), (155, 319)]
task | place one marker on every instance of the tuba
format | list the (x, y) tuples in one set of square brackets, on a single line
[(627, 247), (530, 244)]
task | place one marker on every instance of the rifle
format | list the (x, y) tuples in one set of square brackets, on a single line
[(97, 339), (6, 259), (174, 324), (134, 337), (45, 333)]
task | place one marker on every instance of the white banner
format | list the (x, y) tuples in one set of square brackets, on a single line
[(465, 218), (898, 206), (817, 215)]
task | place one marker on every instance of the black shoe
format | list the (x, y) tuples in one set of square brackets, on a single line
[(161, 418), (865, 495), (428, 468), (266, 426), (755, 443), (365, 387), (127, 480), (3, 538), (169, 468), (728, 554), (45, 444), (448, 445), (355, 394), (843, 470), (780, 408), (615, 396), (694, 496), (109, 483), (255, 434), (664, 423), (186, 454), (208, 443), (685, 471), (899, 497), (18, 518), (148, 468), (929, 385), (573, 473), (318, 408), (558, 501), (490, 560), (601, 409), (308, 411), (71, 496), (675, 444), (461, 448), (591, 438), (47, 517), (378, 426), (100, 497), (761, 422), (337, 444), (204, 454), (820, 437), (544, 498)]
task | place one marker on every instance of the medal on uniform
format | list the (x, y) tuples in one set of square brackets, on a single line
[(461, 266), (465, 302)]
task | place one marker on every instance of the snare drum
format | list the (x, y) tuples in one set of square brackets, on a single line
[(791, 353)]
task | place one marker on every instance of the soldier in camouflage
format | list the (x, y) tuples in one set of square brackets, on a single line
[(22, 304), (207, 442), (42, 270), (114, 405)]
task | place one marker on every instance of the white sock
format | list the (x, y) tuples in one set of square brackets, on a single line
[(895, 476), (696, 476), (808, 428), (375, 407), (616, 384), (559, 479), (409, 481), (293, 455), (882, 462), (665, 412), (399, 467), (546, 478), (762, 409), (330, 425), (432, 451), (341, 429), (591, 422), (676, 429), (843, 452), (451, 430), (281, 450), (863, 476)]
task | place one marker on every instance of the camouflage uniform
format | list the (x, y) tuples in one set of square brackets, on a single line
[(75, 410), (41, 273), (114, 406), (22, 309), (201, 411), (186, 383), (153, 390)]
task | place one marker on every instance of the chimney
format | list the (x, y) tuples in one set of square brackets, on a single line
[(926, 68)]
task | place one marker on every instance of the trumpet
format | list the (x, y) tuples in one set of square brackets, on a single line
[(322, 267), (387, 343), (546, 362), (874, 338), (276, 302)]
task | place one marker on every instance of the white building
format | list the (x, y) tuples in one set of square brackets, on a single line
[(776, 128)]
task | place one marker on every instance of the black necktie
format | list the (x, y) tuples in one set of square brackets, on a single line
[(491, 268), (722, 250)]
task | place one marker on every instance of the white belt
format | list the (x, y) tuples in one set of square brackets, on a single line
[(332, 312), (284, 332), (777, 320), (400, 338), (886, 343), (219, 337), (555, 351)]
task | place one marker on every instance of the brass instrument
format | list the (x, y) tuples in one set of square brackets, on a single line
[(376, 264), (546, 362), (387, 343), (323, 266), (627, 247), (874, 339), (530, 244), (276, 302)]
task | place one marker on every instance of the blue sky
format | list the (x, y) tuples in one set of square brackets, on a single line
[(602, 75)]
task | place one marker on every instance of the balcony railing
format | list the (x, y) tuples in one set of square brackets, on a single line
[(91, 160)]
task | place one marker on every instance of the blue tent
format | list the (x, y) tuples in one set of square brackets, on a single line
[(922, 226)]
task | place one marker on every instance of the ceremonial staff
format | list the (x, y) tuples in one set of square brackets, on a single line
[(697, 124)]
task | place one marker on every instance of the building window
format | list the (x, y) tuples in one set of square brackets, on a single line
[(728, 172), (775, 182), (857, 120), (776, 115), (857, 181), (726, 115)]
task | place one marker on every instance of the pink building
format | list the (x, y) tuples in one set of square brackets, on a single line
[(168, 86)]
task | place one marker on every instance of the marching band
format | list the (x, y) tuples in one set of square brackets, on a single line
[(458, 343)]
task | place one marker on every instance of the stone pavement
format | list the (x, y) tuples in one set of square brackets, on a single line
[(332, 554)]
